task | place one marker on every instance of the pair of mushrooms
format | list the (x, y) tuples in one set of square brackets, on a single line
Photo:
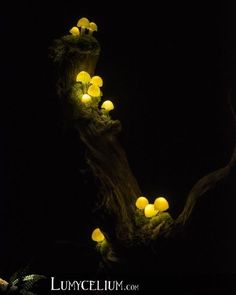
[(91, 88), (84, 24), (151, 210)]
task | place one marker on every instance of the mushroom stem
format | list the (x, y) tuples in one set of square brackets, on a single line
[(84, 88), (82, 30), (105, 113)]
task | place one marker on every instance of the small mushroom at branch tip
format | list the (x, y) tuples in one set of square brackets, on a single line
[(94, 90), (97, 235), (83, 23), (83, 77), (97, 80), (150, 211), (161, 204), (75, 31), (86, 98), (141, 202), (107, 106), (92, 28)]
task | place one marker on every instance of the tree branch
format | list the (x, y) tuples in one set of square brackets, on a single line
[(207, 182)]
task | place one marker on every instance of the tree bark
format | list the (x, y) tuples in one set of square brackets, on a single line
[(105, 156)]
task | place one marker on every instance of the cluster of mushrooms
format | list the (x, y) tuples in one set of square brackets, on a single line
[(83, 26), (91, 91), (150, 210)]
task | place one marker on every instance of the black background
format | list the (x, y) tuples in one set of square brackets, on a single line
[(169, 69)]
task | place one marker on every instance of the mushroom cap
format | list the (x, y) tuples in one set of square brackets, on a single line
[(150, 211), (97, 235), (75, 31), (83, 22), (161, 204), (96, 80), (93, 27), (141, 202), (83, 77), (94, 91), (108, 105), (86, 98)]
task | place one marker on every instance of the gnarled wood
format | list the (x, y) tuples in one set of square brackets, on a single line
[(206, 183), (105, 156)]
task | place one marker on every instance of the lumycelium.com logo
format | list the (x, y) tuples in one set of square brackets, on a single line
[(91, 285)]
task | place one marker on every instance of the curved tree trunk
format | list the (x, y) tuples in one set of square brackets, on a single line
[(105, 156)]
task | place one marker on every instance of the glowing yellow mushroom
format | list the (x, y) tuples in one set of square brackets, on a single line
[(150, 211), (92, 28), (141, 202), (86, 98), (161, 204), (108, 105), (94, 91), (83, 23), (97, 235), (75, 31), (83, 77), (97, 80)]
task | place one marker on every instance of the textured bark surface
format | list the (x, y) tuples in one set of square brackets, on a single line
[(204, 185), (70, 56), (118, 187), (105, 156)]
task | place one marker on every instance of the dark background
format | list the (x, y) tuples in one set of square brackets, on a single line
[(169, 69)]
